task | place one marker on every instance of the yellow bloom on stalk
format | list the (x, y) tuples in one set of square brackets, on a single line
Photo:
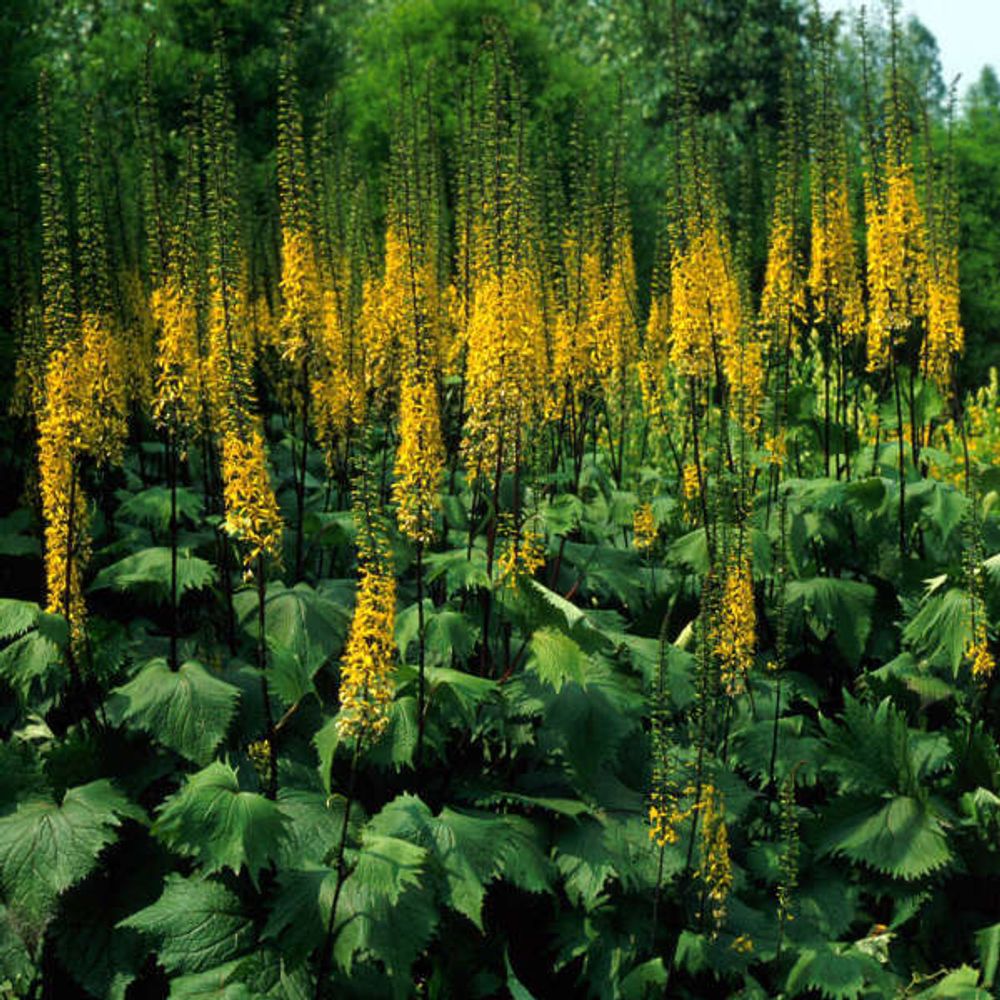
[(523, 554), (706, 321), (138, 348), (776, 447), (252, 515), (982, 660), (613, 335), (644, 527), (385, 312), (301, 291), (655, 350), (690, 489), (704, 302), (178, 364), (419, 460), (897, 262), (715, 868), (505, 370), (783, 298), (230, 359), (945, 336), (103, 392), (64, 506), (834, 287), (366, 686), (665, 817), (735, 631)]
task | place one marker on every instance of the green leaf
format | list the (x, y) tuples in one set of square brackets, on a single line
[(197, 924), (874, 750), (645, 981), (17, 617), (518, 991), (151, 507), (460, 568), (297, 922), (148, 572), (16, 965), (834, 973), (448, 634), (385, 909), (188, 711), (557, 659), (469, 848), (940, 631), (212, 820), (458, 695), (299, 623), (988, 945), (35, 659), (901, 836), (960, 984), (45, 848), (841, 607)]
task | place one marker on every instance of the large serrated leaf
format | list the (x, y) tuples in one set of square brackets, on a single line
[(833, 973), (941, 629), (298, 920), (197, 924), (557, 659), (299, 623), (45, 848), (188, 711), (151, 507), (212, 820), (148, 573), (841, 607), (901, 836), (385, 908), (17, 617)]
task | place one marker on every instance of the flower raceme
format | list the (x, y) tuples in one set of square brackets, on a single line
[(897, 263), (834, 287), (366, 686), (715, 869), (302, 292), (252, 515), (734, 635), (84, 414), (506, 369), (419, 460), (644, 527), (178, 364)]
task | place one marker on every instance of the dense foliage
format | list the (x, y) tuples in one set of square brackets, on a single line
[(445, 558)]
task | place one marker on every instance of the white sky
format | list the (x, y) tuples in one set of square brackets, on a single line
[(967, 31)]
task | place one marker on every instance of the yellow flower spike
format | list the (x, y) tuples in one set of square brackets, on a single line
[(301, 291), (252, 515), (734, 635), (715, 868), (178, 364), (419, 460), (366, 687), (644, 527), (522, 554)]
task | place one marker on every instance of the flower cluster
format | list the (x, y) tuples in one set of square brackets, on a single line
[(252, 515), (734, 633), (419, 460), (366, 684), (715, 868), (644, 529)]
